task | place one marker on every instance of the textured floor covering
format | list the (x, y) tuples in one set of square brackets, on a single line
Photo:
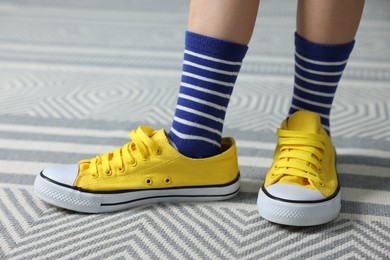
[(75, 76)]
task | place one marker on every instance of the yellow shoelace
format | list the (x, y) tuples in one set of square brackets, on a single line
[(141, 143), (300, 155)]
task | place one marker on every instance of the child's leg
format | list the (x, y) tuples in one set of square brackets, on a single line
[(215, 47), (329, 22), (301, 188), (324, 40), (229, 20)]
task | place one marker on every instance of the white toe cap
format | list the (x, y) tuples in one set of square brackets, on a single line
[(64, 174), (294, 192)]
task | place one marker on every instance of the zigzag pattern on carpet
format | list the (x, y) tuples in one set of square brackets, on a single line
[(206, 231), (257, 104)]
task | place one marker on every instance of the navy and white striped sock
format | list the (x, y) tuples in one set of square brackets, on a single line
[(318, 69), (210, 69)]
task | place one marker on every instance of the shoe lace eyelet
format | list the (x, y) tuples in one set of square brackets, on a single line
[(167, 180), (122, 169), (148, 181), (159, 151), (109, 173), (95, 175), (133, 163)]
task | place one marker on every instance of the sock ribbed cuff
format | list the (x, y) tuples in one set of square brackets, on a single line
[(213, 46), (324, 52)]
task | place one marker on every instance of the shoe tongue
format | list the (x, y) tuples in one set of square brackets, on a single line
[(304, 121), (158, 135)]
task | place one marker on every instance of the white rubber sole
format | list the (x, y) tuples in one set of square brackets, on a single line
[(298, 213), (99, 202)]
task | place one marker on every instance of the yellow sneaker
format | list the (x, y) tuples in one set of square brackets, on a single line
[(301, 188), (146, 170)]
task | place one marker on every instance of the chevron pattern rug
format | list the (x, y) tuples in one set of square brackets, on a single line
[(75, 76)]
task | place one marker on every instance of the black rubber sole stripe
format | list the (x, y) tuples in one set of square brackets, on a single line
[(302, 201), (173, 196)]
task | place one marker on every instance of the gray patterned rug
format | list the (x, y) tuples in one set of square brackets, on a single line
[(75, 76)]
